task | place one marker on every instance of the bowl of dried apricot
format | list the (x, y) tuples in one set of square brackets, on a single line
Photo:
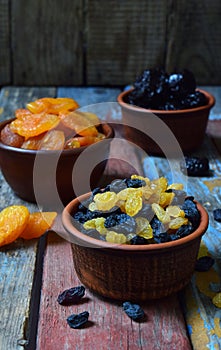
[(39, 149), (164, 112), (136, 239)]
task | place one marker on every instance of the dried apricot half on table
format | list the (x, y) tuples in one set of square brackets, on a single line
[(38, 223), (13, 221)]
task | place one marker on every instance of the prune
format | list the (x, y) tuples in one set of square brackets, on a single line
[(195, 166), (156, 89), (138, 240), (134, 311), (149, 88), (204, 263), (191, 212), (78, 320), (217, 214), (71, 296), (181, 84), (196, 99)]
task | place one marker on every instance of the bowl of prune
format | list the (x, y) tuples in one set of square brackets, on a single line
[(135, 239), (41, 144), (163, 111)]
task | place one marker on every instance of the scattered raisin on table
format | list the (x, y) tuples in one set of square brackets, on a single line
[(204, 263), (195, 166), (217, 214), (71, 296), (134, 311), (78, 320)]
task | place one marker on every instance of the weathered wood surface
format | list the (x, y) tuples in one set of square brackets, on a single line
[(19, 272), (106, 42), (165, 327)]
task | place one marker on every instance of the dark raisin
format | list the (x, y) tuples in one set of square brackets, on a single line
[(217, 214), (117, 185), (120, 223), (96, 190), (184, 230), (191, 212), (78, 320), (135, 183), (204, 263), (161, 237), (195, 166), (134, 311), (138, 240), (71, 296)]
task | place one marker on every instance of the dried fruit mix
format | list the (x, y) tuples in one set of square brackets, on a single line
[(138, 211), (52, 124)]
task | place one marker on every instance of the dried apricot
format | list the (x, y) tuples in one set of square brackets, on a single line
[(36, 125), (13, 221), (81, 141), (37, 224), (79, 123), (33, 142), (22, 113), (53, 140), (52, 105), (8, 137)]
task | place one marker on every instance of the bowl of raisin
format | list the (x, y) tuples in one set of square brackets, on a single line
[(135, 239), (172, 99), (40, 146)]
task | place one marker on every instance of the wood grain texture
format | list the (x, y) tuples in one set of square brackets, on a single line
[(109, 328), (17, 260), (201, 315), (47, 42), (193, 39), (5, 52), (123, 38)]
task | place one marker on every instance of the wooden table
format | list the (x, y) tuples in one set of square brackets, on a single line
[(33, 273)]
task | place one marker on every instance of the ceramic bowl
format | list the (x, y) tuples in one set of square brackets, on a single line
[(133, 272), (188, 126), (46, 177)]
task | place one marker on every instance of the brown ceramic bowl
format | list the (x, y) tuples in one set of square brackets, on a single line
[(187, 126), (46, 177), (133, 272)]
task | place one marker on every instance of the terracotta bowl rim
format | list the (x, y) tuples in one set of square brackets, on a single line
[(109, 135), (209, 105), (93, 242)]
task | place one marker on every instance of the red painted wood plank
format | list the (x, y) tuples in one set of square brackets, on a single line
[(109, 328)]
